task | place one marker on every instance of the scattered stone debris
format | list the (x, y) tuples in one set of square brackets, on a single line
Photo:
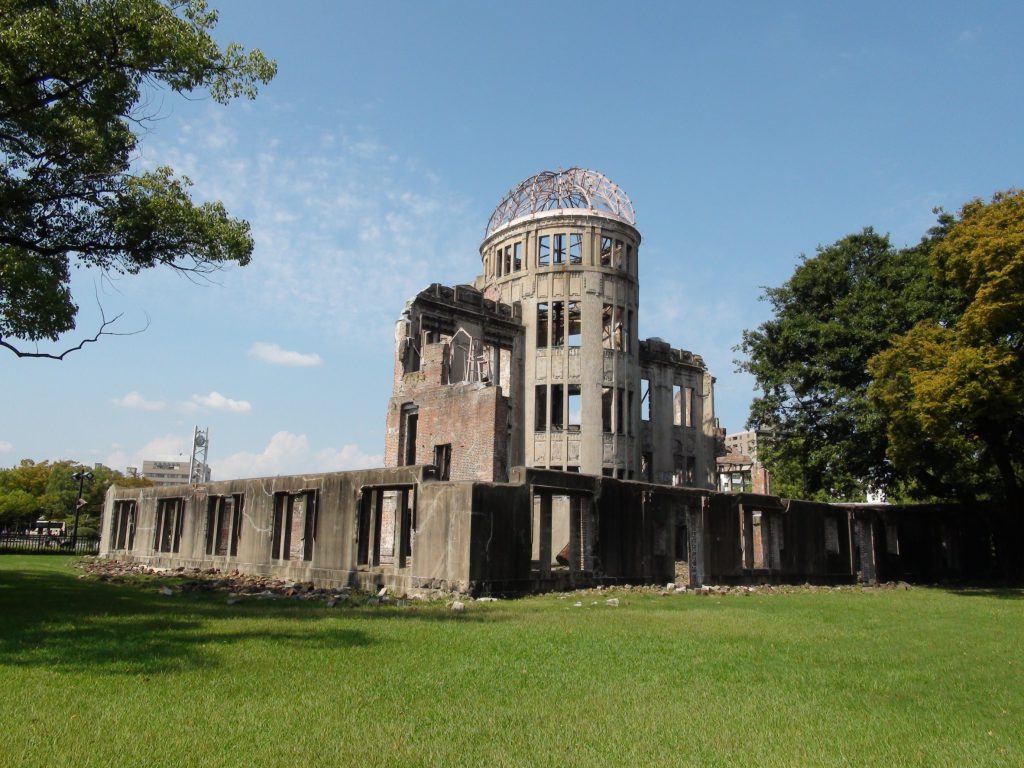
[(236, 586)]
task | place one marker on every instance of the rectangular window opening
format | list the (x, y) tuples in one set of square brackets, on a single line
[(688, 405), (540, 408), (574, 317), (170, 515), (557, 407), (544, 251), (517, 257), (557, 323), (606, 251), (443, 461), (223, 524), (366, 505), (559, 250), (295, 524), (542, 325), (677, 405), (122, 527), (575, 408), (575, 249), (407, 434), (645, 399), (611, 327)]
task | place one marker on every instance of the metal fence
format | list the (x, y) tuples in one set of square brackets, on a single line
[(22, 543)]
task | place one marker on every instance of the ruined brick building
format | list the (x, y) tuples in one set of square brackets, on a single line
[(535, 442), (538, 362)]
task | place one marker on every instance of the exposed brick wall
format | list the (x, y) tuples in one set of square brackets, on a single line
[(472, 418)]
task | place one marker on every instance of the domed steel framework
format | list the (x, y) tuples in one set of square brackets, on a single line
[(552, 190)]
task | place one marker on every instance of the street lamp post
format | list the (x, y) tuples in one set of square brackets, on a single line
[(81, 477)]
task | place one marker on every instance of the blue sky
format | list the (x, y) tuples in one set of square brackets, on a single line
[(745, 134)]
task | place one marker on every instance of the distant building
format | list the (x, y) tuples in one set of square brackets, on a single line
[(744, 443), (167, 472), (739, 471)]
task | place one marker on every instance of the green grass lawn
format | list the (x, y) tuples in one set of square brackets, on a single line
[(104, 674)]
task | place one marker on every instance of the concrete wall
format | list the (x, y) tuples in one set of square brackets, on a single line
[(543, 530), (463, 535), (751, 538)]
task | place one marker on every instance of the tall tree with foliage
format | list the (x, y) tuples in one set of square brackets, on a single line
[(77, 85), (33, 490), (821, 436), (952, 394)]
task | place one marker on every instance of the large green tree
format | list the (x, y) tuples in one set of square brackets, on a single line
[(78, 83), (952, 393), (33, 490), (821, 436)]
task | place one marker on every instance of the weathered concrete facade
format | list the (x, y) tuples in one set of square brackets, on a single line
[(403, 529), (581, 392), (457, 385)]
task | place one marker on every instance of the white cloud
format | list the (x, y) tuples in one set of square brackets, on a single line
[(215, 401), (272, 354), (287, 453), (347, 457), (136, 401), (968, 36), (340, 223), (6, 447)]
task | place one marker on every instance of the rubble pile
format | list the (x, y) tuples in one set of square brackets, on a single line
[(236, 586)]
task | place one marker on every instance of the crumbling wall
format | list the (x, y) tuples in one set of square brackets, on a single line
[(403, 529), (470, 418), (681, 439), (457, 377)]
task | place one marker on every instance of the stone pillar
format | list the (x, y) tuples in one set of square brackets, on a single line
[(544, 535), (866, 543)]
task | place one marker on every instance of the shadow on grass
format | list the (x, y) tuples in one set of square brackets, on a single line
[(1000, 593), (53, 619)]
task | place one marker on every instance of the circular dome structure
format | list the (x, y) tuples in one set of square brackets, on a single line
[(578, 188)]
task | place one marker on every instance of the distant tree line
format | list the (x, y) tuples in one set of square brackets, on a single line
[(899, 370), (33, 490)]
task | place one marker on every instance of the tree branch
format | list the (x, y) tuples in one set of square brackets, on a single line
[(101, 332)]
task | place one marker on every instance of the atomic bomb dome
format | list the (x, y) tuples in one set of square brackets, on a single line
[(575, 188)]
